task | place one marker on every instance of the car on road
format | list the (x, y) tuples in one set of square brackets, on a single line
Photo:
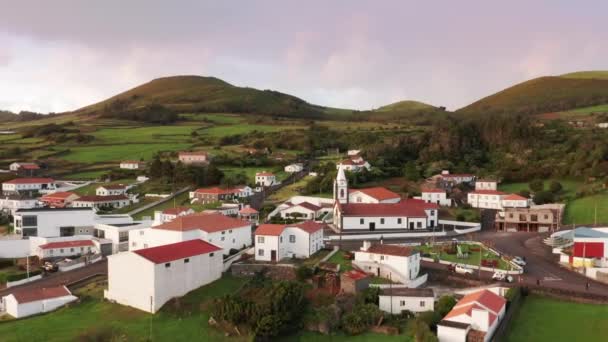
[(501, 276), (462, 269), (519, 261)]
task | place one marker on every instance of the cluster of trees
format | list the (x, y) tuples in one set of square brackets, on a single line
[(178, 173), (542, 195), (152, 113)]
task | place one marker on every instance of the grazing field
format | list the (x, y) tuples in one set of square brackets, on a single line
[(151, 134), (86, 175), (570, 187), (592, 109), (222, 131), (290, 190), (90, 189), (179, 200), (543, 319), (338, 258), (103, 153), (583, 210)]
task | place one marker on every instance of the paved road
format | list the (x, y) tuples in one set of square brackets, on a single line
[(62, 278)]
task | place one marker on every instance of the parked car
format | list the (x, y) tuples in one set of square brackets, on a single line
[(463, 269), (501, 276), (49, 267), (519, 261)]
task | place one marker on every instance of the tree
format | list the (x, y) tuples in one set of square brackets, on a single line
[(156, 167), (410, 172), (543, 197), (420, 331), (445, 305), (536, 185), (555, 187)]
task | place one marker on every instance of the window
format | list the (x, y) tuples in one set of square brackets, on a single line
[(133, 244), (233, 240), (230, 231), (223, 238), (260, 252), (51, 251), (422, 303), (399, 220), (145, 245), (362, 221), (61, 250), (211, 254), (402, 303), (141, 232), (187, 260), (167, 265), (292, 238), (546, 217), (419, 225), (432, 212), (30, 221), (260, 239), (381, 221), (82, 249), (71, 249), (223, 232), (382, 257)]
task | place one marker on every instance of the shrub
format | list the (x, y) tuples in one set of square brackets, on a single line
[(555, 187), (361, 318), (445, 305), (537, 185), (304, 272), (21, 276)]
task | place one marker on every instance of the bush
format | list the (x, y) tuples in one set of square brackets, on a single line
[(6, 263), (512, 293), (361, 318), (537, 185), (21, 276), (303, 273), (555, 187), (543, 197), (445, 305)]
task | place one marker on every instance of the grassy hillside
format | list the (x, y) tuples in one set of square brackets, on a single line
[(205, 94), (545, 94), (599, 74), (403, 106)]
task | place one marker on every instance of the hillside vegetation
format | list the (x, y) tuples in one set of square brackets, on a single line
[(600, 75), (403, 106), (544, 95)]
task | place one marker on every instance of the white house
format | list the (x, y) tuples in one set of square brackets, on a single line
[(31, 301), (294, 168), (486, 184), (352, 153), (397, 263), (265, 179), (170, 214), (373, 195), (11, 203), (396, 300), (436, 196), (354, 163), (477, 314), (18, 166), (410, 214), (274, 242), (118, 233), (61, 249), (111, 190), (515, 201), (100, 202), (304, 210), (452, 179), (224, 231), (486, 199), (189, 158), (55, 222), (148, 278), (29, 184), (132, 165)]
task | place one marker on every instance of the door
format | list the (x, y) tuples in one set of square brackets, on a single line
[(372, 226), (273, 255), (411, 225), (432, 223)]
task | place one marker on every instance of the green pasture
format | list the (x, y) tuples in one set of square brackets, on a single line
[(102, 153)]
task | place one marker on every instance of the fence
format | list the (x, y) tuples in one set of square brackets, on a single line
[(231, 259), (513, 307), (78, 263)]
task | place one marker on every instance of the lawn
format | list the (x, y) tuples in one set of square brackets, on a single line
[(179, 200), (86, 175), (583, 210), (150, 134), (543, 319), (222, 131), (473, 258), (101, 153), (290, 190), (593, 109), (338, 258), (188, 322), (570, 187)]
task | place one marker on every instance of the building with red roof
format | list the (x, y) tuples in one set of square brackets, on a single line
[(170, 214), (32, 301), (394, 262), (60, 199), (101, 202), (224, 231), (69, 248), (148, 278), (249, 214), (263, 179), (373, 195), (435, 195), (478, 313), (496, 199), (196, 157), (354, 163), (274, 242), (111, 190), (28, 184)]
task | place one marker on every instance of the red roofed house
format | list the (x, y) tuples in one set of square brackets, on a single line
[(478, 313), (31, 301), (373, 195), (59, 199), (398, 263), (132, 164), (224, 231), (111, 190), (274, 242), (190, 158), (437, 196), (66, 249), (148, 278), (486, 199), (265, 179), (102, 202), (28, 184), (515, 201), (170, 214), (249, 214), (25, 169), (354, 163), (486, 184), (410, 214), (354, 281), (303, 210), (211, 195)]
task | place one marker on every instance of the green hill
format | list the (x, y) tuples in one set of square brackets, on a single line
[(600, 75), (203, 94), (545, 95), (405, 106)]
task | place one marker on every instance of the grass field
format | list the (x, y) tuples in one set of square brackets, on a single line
[(290, 190), (592, 109), (180, 200), (583, 210), (151, 134), (251, 171), (474, 257), (102, 153), (569, 186), (86, 175), (542, 319), (338, 258), (90, 189), (221, 131)]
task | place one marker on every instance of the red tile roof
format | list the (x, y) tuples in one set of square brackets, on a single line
[(308, 206), (30, 181), (102, 199), (379, 193), (391, 250), (514, 197), (29, 166), (355, 274), (177, 251), (210, 223), (175, 211), (270, 229), (457, 175), (408, 207), (486, 298), (352, 162), (248, 210), (264, 174), (216, 191), (276, 229), (433, 190), (309, 226), (487, 192), (195, 153), (113, 186), (27, 295), (62, 195), (67, 244)]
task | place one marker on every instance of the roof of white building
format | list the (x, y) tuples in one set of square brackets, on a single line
[(484, 300), (30, 181), (408, 207), (407, 292), (379, 193), (276, 229), (29, 295), (67, 244), (177, 251), (391, 250), (209, 222)]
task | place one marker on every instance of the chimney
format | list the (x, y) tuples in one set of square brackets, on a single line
[(366, 246)]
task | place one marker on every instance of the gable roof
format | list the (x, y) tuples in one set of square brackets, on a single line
[(216, 191), (514, 197), (480, 299), (67, 244), (29, 166), (433, 191), (61, 195), (28, 295), (113, 186), (30, 181), (408, 207), (379, 193), (248, 210), (309, 227), (177, 251), (101, 199), (391, 250), (487, 192), (408, 292), (264, 174), (208, 222), (307, 205)]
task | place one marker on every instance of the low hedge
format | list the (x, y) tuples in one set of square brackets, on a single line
[(21, 276)]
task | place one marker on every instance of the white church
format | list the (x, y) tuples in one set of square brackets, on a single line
[(391, 214)]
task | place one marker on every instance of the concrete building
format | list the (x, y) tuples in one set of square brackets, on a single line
[(226, 232), (118, 233), (111, 190), (211, 195), (62, 249), (274, 242), (303, 211), (486, 199), (190, 158), (264, 178), (486, 184), (102, 202), (397, 263), (373, 195), (148, 278), (396, 300), (25, 169), (250, 215), (475, 317), (540, 218), (437, 196), (29, 185), (60, 199), (354, 163), (132, 165), (449, 180), (32, 301), (170, 214), (515, 201), (294, 168), (9, 204)]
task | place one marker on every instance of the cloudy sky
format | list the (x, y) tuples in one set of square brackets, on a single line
[(63, 54)]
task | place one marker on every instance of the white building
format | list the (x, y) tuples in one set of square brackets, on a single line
[(410, 214), (274, 242), (18, 166), (29, 184), (294, 168), (62, 249), (147, 278), (132, 165), (11, 203), (118, 233), (111, 190), (189, 158), (354, 163), (452, 179), (224, 231), (326, 205), (352, 153), (486, 199), (437, 196), (56, 222), (396, 263), (31, 301), (477, 314), (304, 210), (373, 195), (102, 202), (486, 184), (170, 214), (396, 300), (515, 201), (265, 179)]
